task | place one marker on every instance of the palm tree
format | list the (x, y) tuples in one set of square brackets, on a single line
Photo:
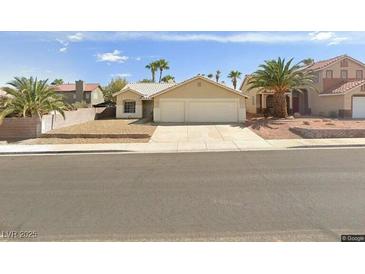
[(162, 65), (279, 77), (217, 75), (168, 78), (210, 75), (30, 97), (234, 75), (153, 67)]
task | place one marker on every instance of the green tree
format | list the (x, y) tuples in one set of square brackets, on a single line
[(153, 66), (30, 97), (217, 75), (168, 78), (162, 65), (308, 61), (280, 77), (210, 75), (145, 81), (57, 82), (234, 75), (115, 85)]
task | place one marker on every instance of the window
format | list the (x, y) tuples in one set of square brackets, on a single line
[(129, 107), (359, 74), (87, 95), (363, 88), (343, 74), (329, 74), (344, 63), (316, 77), (74, 96)]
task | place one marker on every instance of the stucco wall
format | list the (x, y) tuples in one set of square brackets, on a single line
[(128, 95), (97, 96), (324, 105)]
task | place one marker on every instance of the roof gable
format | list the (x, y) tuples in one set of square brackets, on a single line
[(203, 79), (146, 90), (326, 63)]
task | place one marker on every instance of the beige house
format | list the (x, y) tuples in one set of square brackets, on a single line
[(90, 93), (197, 99), (340, 91)]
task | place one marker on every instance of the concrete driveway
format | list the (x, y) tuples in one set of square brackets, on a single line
[(176, 133)]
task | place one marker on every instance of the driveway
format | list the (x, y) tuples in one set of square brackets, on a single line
[(176, 133)]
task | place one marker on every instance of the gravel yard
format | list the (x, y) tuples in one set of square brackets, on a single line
[(99, 131), (279, 128)]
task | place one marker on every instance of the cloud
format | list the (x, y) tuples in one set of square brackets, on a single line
[(63, 49), (111, 57), (329, 37), (138, 58), (77, 37), (122, 75)]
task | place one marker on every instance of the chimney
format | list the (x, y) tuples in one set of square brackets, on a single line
[(79, 90)]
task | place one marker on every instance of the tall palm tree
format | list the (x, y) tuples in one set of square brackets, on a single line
[(31, 98), (153, 67), (162, 65), (234, 75), (217, 75), (168, 78), (279, 77)]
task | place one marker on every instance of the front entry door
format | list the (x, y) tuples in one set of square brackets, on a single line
[(295, 104)]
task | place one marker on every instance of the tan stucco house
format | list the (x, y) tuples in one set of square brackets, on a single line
[(197, 99), (91, 93), (340, 91)]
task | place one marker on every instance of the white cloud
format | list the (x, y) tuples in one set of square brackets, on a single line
[(138, 58), (77, 37), (62, 49), (329, 37), (111, 57), (122, 75)]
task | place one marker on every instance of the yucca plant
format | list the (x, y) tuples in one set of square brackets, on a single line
[(279, 77), (30, 97)]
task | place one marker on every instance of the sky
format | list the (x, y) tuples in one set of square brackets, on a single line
[(97, 57)]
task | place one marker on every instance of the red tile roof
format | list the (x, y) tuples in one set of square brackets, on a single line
[(345, 87), (324, 63), (72, 87)]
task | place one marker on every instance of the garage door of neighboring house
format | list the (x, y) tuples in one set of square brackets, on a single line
[(200, 110), (358, 107)]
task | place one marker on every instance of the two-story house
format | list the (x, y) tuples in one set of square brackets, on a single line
[(340, 91), (92, 94)]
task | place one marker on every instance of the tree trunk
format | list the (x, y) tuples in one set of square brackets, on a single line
[(279, 105)]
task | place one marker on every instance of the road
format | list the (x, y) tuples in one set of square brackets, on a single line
[(301, 195)]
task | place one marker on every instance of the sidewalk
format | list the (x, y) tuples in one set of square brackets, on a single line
[(184, 146)]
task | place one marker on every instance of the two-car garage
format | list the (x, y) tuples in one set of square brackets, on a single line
[(199, 110), (199, 100)]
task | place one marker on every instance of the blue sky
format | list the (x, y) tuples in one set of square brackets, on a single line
[(99, 56)]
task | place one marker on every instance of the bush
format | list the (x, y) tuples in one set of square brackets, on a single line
[(333, 114), (81, 104)]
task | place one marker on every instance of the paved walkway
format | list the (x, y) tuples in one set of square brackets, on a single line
[(205, 146)]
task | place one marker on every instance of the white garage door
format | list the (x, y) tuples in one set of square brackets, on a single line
[(172, 111), (197, 110), (358, 107), (212, 111)]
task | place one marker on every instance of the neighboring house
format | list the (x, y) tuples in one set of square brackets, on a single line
[(197, 99), (90, 93), (340, 91)]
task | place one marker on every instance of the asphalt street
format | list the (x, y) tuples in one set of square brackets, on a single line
[(299, 195)]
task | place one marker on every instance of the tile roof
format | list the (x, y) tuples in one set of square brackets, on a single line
[(148, 89), (88, 87), (345, 87), (324, 63)]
